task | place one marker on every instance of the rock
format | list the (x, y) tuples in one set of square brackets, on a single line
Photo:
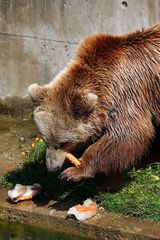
[(32, 135), (22, 140)]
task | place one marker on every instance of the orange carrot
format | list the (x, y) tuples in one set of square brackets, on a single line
[(73, 159)]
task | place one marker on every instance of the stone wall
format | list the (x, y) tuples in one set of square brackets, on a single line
[(38, 37)]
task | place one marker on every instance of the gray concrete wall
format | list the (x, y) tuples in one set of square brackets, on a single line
[(38, 37)]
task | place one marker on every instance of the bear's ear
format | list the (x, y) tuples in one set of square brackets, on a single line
[(36, 93), (83, 103)]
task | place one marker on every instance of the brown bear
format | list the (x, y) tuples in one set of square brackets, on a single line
[(107, 96)]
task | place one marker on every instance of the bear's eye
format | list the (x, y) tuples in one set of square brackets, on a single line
[(63, 144), (78, 109)]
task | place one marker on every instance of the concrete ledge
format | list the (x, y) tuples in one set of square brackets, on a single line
[(53, 216)]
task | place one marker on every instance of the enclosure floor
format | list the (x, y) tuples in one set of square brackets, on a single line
[(15, 137)]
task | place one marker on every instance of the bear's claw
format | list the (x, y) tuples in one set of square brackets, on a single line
[(72, 173)]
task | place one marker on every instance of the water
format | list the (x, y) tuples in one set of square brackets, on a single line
[(12, 231)]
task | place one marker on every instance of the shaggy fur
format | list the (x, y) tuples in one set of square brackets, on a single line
[(109, 95)]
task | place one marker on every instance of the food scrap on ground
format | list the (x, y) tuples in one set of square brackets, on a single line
[(24, 192), (85, 211)]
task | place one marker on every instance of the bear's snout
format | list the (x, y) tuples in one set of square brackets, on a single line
[(54, 159)]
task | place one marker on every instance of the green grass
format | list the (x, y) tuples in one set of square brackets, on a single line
[(140, 195)]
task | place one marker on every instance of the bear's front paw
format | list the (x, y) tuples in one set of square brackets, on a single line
[(72, 173)]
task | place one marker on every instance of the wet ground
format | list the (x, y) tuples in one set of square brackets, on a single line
[(15, 137)]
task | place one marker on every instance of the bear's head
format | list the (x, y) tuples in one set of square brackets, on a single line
[(63, 111)]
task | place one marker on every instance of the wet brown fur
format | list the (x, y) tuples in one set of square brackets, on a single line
[(124, 73)]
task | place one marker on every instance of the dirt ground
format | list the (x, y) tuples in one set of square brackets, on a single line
[(16, 136)]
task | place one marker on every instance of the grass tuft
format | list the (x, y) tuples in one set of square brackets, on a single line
[(140, 197)]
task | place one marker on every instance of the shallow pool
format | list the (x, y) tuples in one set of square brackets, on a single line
[(12, 231)]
